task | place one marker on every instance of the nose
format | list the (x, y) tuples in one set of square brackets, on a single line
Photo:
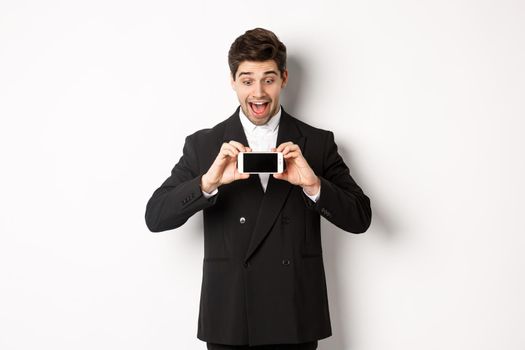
[(258, 90)]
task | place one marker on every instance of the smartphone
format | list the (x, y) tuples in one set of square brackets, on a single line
[(260, 162)]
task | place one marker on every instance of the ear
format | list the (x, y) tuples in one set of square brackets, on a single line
[(285, 78)]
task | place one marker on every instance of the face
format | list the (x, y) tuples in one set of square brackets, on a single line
[(258, 86)]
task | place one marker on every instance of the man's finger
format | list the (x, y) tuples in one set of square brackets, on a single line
[(237, 145), (280, 176), (228, 152), (240, 176), (293, 154), (287, 149), (231, 148), (283, 145)]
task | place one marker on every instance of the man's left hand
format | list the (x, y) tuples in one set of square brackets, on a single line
[(298, 171)]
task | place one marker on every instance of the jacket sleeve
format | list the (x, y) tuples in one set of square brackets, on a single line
[(180, 196), (342, 202)]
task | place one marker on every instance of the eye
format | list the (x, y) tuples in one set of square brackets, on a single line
[(269, 81), (247, 82)]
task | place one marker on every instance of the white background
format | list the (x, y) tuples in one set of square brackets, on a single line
[(426, 99)]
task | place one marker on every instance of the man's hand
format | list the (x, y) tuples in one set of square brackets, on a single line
[(297, 172), (224, 168)]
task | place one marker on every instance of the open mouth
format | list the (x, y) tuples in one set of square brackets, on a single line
[(259, 108)]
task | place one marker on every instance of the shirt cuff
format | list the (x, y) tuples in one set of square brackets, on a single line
[(315, 197), (209, 195)]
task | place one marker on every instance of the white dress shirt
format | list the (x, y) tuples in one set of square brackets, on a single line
[(261, 138)]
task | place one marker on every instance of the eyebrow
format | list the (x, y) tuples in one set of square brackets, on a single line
[(265, 73)]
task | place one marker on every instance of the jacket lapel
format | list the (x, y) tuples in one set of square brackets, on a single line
[(233, 129), (277, 190)]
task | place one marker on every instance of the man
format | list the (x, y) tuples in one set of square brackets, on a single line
[(263, 282)]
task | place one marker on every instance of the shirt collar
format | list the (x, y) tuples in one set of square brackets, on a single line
[(270, 125)]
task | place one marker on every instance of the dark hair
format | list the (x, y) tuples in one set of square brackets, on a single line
[(257, 45)]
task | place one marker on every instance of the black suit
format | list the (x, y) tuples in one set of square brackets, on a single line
[(263, 278)]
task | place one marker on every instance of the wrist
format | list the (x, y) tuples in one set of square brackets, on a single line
[(206, 185), (313, 188)]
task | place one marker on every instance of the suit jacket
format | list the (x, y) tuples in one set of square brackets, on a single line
[(263, 279)]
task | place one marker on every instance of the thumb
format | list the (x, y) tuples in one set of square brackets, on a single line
[(241, 176)]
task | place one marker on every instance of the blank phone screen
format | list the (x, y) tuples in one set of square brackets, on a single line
[(260, 162)]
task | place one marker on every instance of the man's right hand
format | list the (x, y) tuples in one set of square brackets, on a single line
[(224, 168)]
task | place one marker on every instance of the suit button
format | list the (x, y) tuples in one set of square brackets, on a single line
[(286, 262), (242, 220), (246, 264)]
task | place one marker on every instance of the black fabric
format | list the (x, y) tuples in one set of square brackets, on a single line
[(301, 346), (263, 279)]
